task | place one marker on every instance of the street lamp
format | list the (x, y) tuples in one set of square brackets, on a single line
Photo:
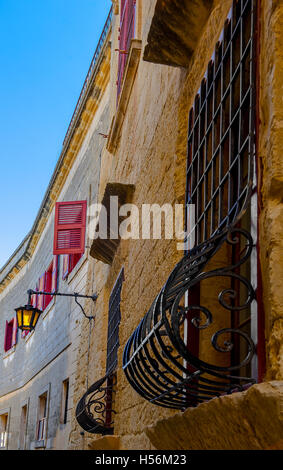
[(28, 315)]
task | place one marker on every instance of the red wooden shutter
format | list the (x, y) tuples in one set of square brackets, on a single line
[(14, 332), (8, 336), (54, 282), (48, 285), (73, 260), (69, 227), (40, 301)]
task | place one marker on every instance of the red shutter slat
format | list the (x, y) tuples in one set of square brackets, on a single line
[(8, 335), (69, 227), (47, 285)]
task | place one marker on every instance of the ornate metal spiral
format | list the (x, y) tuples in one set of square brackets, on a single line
[(157, 360), (93, 407)]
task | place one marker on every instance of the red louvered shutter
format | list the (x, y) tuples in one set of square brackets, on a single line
[(48, 285), (8, 335), (73, 261), (69, 227)]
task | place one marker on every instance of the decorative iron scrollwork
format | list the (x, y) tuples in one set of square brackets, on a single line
[(95, 407), (157, 361), (193, 343)]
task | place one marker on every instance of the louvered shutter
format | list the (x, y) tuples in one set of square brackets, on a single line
[(8, 336), (47, 285), (73, 260), (69, 227), (14, 332)]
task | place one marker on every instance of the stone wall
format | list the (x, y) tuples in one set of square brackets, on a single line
[(151, 154), (48, 355)]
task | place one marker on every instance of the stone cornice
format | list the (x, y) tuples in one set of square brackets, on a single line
[(91, 100)]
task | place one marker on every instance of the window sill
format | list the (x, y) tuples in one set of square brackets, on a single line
[(48, 308), (105, 443), (40, 444), (9, 353), (76, 269), (27, 338), (259, 431), (127, 85)]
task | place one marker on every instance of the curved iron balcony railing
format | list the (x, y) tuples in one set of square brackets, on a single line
[(195, 341), (157, 362), (95, 407)]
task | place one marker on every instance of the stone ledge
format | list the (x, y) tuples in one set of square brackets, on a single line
[(104, 249), (105, 443), (250, 420), (127, 85), (175, 31)]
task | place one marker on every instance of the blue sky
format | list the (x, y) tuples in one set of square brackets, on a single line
[(46, 47)]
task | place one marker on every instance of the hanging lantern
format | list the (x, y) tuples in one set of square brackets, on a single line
[(27, 317)]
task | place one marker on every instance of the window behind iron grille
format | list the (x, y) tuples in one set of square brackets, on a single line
[(114, 317), (221, 127), (221, 144)]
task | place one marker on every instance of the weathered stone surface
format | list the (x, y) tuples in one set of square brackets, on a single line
[(175, 30), (241, 421), (151, 154)]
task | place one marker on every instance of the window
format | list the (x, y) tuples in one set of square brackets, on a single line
[(69, 227), (51, 280), (69, 263), (23, 427), (221, 154), (114, 318), (42, 418), (10, 338), (126, 33), (3, 430), (198, 339), (65, 398), (48, 282), (94, 411)]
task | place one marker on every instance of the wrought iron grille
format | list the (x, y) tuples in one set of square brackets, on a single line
[(114, 318), (221, 129), (194, 343), (94, 411)]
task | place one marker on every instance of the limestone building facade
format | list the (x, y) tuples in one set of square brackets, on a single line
[(38, 370), (183, 107)]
